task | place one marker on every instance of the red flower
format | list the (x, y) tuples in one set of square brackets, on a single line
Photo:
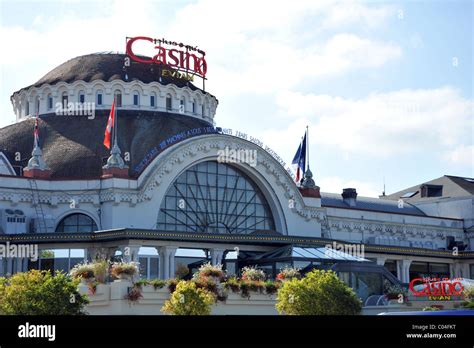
[(280, 276)]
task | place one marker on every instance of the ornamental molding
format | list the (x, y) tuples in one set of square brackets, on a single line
[(19, 98), (391, 229), (205, 148), (54, 198)]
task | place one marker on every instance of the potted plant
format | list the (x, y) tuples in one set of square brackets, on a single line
[(124, 270), (134, 294), (84, 272), (288, 273), (393, 292), (233, 284), (252, 274), (213, 272), (271, 287)]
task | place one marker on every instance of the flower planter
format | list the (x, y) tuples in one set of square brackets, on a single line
[(122, 277), (87, 281)]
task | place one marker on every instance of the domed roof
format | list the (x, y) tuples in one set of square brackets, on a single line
[(73, 145), (108, 67)]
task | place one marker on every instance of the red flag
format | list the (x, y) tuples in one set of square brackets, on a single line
[(110, 125)]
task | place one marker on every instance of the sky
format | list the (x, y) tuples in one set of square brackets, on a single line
[(385, 87)]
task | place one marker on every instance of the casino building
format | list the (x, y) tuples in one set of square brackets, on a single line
[(164, 199)]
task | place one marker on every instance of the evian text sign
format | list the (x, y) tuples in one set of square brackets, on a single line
[(173, 54)]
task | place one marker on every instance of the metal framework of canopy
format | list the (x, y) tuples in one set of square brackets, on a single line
[(307, 253)]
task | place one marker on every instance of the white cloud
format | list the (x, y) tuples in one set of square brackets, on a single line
[(335, 184), (385, 124), (462, 155), (248, 42)]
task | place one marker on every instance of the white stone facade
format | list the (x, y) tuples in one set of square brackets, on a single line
[(28, 102)]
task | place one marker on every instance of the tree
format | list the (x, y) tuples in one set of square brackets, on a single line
[(187, 299), (40, 293), (318, 293)]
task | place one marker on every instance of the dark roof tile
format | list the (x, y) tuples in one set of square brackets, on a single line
[(73, 145)]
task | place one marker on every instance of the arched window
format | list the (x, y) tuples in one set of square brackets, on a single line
[(50, 102), (136, 98), (64, 100), (153, 100), (99, 97), (118, 98), (169, 102), (82, 97), (77, 223), (182, 103), (213, 197)]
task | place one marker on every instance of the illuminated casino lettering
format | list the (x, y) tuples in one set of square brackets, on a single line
[(188, 59), (439, 288)]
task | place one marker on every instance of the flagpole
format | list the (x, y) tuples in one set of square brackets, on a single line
[(307, 144), (115, 122)]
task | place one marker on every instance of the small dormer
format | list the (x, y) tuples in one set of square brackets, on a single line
[(427, 190)]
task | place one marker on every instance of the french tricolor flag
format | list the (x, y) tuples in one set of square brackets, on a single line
[(299, 161)]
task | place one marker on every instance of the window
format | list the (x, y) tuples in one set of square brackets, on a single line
[(194, 106), (202, 109), (77, 223), (37, 105), (135, 99), (99, 97), (50, 102), (213, 197), (169, 103), (64, 100), (409, 194), (27, 107), (181, 105), (118, 98), (82, 97), (431, 190), (152, 100)]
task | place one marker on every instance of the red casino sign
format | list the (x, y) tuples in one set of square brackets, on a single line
[(436, 288), (185, 58)]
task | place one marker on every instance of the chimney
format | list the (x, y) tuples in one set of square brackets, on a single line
[(349, 195)]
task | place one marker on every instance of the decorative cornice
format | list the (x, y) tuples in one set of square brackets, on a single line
[(207, 147), (130, 234)]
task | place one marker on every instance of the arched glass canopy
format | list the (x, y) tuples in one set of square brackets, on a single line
[(213, 197)]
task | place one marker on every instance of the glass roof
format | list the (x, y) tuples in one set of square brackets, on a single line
[(309, 253)]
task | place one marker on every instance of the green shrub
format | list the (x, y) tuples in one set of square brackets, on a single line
[(468, 293), (187, 299), (172, 284), (318, 293), (430, 308), (40, 293)]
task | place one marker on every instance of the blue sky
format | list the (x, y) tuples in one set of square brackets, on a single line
[(377, 82)]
